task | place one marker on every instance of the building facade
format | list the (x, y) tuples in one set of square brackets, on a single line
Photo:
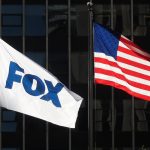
[(54, 33)]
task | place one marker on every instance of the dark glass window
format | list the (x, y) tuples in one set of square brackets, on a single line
[(70, 45)]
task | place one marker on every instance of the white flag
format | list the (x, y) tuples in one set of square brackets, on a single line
[(28, 88)]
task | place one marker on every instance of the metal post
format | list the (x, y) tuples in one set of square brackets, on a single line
[(113, 120), (69, 57), (23, 51), (90, 75), (46, 23), (133, 103)]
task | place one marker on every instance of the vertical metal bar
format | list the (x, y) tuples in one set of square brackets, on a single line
[(113, 120), (46, 23), (112, 14), (112, 89), (23, 27), (69, 57), (132, 20), (23, 51), (90, 75), (0, 107), (133, 103), (95, 109), (133, 124)]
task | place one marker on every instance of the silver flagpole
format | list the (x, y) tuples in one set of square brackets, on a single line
[(90, 75)]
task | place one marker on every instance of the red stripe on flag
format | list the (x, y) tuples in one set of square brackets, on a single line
[(124, 70), (132, 53), (122, 77), (129, 42), (133, 63), (106, 82), (131, 45)]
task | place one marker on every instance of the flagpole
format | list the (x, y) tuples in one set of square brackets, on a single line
[(90, 75)]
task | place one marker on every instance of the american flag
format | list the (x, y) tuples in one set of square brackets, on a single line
[(120, 63)]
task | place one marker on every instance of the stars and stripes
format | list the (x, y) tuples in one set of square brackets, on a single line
[(120, 63)]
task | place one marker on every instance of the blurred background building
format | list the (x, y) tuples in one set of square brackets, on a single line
[(54, 33)]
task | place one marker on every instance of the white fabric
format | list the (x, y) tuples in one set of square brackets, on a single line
[(17, 99)]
